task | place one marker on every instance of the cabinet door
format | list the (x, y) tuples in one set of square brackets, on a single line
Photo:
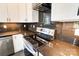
[(3, 12), (18, 42), (13, 12), (22, 13), (29, 12), (35, 15), (65, 12)]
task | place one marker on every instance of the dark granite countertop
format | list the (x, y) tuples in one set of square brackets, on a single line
[(4, 34), (26, 33)]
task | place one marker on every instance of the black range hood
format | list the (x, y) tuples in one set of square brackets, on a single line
[(44, 7)]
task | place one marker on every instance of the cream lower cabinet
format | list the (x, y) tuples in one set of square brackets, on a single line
[(18, 42)]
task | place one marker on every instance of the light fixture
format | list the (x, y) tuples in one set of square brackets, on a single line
[(33, 26), (5, 26), (24, 25)]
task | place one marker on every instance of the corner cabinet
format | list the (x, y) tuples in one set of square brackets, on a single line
[(32, 15), (65, 12), (35, 15)]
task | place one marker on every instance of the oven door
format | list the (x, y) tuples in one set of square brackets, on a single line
[(29, 47)]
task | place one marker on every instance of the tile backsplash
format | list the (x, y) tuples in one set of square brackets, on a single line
[(32, 27), (9, 27)]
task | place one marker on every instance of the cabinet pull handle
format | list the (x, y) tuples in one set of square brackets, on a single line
[(25, 19), (7, 19)]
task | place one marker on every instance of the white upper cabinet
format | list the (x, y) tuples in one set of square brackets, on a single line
[(3, 12), (65, 12), (13, 12), (35, 16), (32, 15), (22, 12), (18, 12), (29, 12)]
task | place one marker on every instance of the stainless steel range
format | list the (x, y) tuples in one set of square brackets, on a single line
[(44, 35)]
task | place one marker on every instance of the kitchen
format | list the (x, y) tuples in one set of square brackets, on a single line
[(39, 29)]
